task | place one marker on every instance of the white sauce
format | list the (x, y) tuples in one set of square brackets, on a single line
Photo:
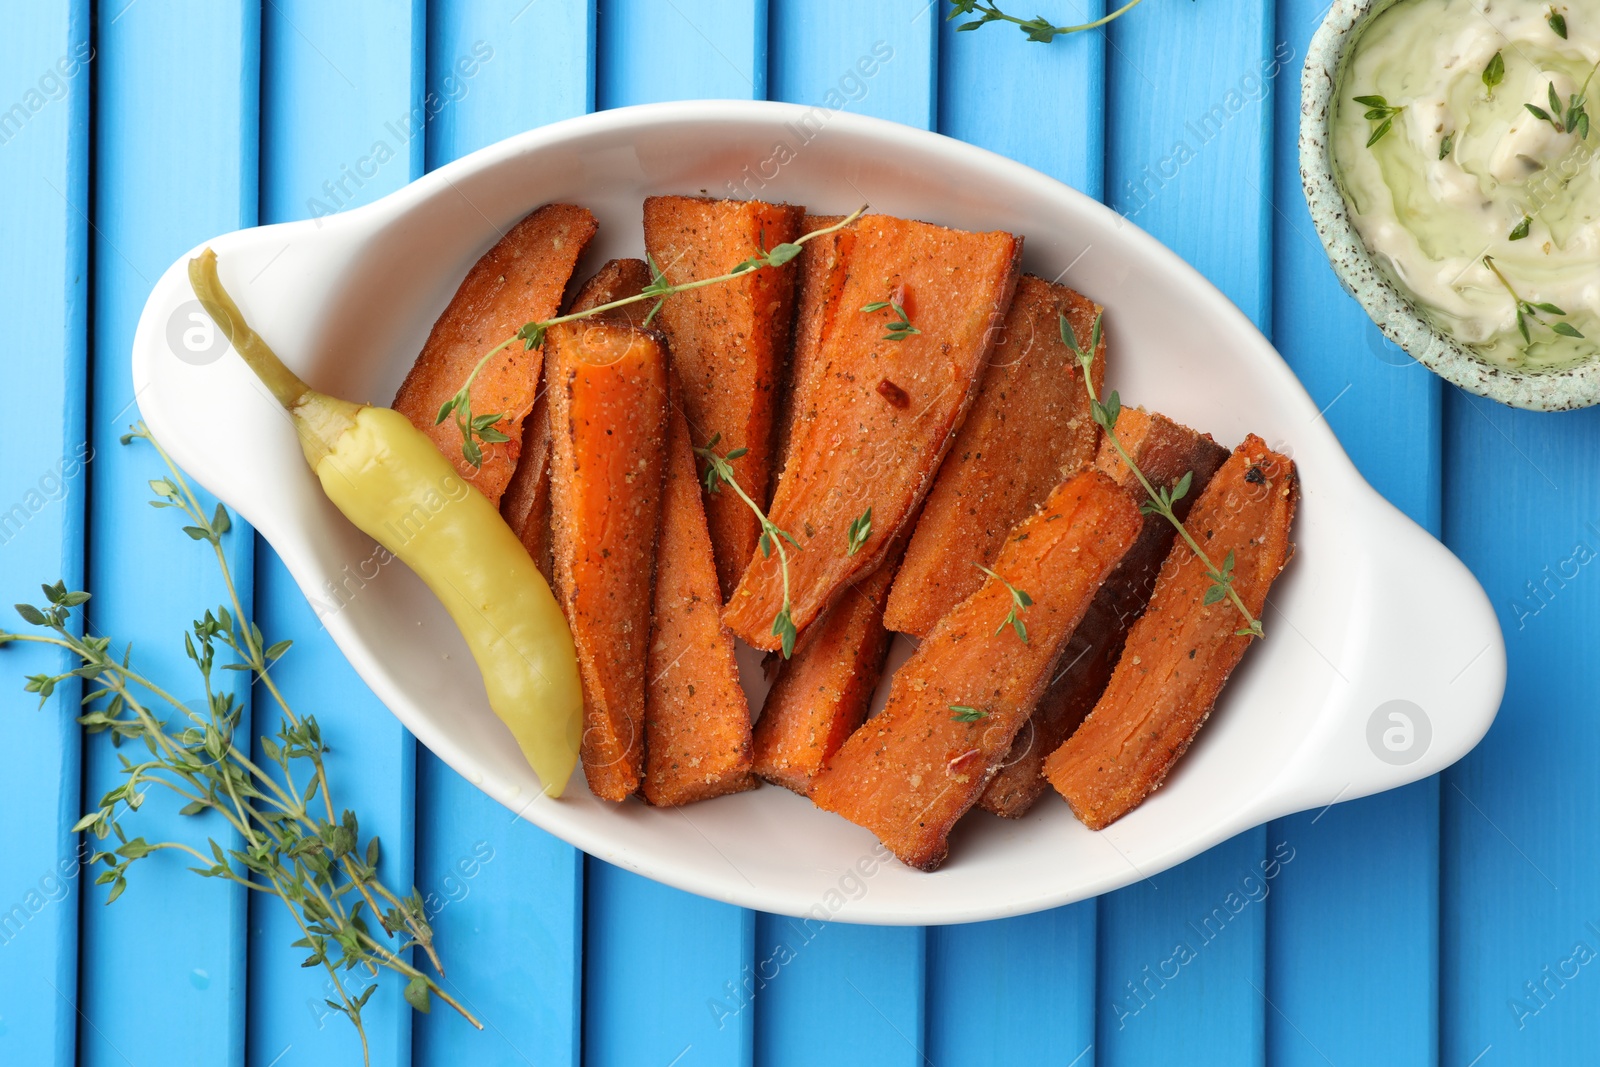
[(1430, 221)]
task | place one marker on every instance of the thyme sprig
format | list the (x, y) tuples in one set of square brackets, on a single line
[(1494, 72), (1557, 22), (1161, 501), (313, 861), (532, 334), (1533, 311), (967, 713), (1574, 118), (1378, 109), (1038, 29), (1020, 602), (900, 326), (860, 529), (719, 472)]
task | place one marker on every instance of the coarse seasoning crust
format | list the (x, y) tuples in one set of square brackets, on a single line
[(696, 717), (912, 771), (885, 410), (1029, 428), (1164, 451), (1181, 651), (608, 415), (526, 504), (728, 342), (820, 268), (521, 279)]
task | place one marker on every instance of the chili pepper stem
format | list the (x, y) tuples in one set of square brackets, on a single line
[(319, 419)]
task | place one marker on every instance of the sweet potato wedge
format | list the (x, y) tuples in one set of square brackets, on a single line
[(728, 342), (1029, 428), (521, 279), (1181, 651), (886, 410), (909, 773), (1164, 450), (526, 504), (608, 414), (824, 691), (696, 717), (820, 276)]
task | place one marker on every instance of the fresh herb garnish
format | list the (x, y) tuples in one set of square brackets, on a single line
[(1529, 311), (1558, 23), (1378, 110), (1494, 73), (965, 713), (1448, 143), (900, 328), (719, 472), (532, 334), (1520, 230), (860, 529), (313, 861), (1162, 500), (1574, 118), (1037, 29), (1020, 601)]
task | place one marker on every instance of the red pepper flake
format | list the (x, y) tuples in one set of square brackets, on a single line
[(962, 763), (896, 396)]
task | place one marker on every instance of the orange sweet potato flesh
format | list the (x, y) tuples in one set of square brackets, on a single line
[(1181, 651), (608, 416), (910, 772), (696, 717), (820, 277), (526, 504), (728, 342), (521, 279), (1164, 450), (886, 410), (824, 692), (1029, 428)]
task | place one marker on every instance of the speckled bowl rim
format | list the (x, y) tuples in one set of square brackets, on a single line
[(1554, 390)]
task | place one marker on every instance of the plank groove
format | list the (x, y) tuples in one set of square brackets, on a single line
[(1036, 966), (319, 154), (1376, 969), (507, 898), (149, 581), (44, 182), (1182, 954)]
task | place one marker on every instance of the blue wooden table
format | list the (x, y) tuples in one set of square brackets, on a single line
[(1456, 921)]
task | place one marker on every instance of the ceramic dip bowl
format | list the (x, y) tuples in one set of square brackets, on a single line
[(1395, 313)]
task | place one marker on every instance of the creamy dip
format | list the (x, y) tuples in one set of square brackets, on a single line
[(1463, 166)]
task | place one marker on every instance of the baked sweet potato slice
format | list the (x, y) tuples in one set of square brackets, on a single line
[(1165, 451), (1028, 429), (1181, 651), (728, 342), (824, 691), (526, 504), (886, 410), (820, 276), (608, 415), (521, 279), (696, 717), (909, 773)]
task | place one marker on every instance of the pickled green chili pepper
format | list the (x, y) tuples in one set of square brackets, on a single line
[(389, 480)]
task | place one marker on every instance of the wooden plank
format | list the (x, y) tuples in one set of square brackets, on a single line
[(44, 180), (338, 82), (176, 157), (1190, 154), (651, 51), (636, 927), (507, 897), (868, 982), (1519, 921), (1040, 967), (821, 53), (1362, 895)]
